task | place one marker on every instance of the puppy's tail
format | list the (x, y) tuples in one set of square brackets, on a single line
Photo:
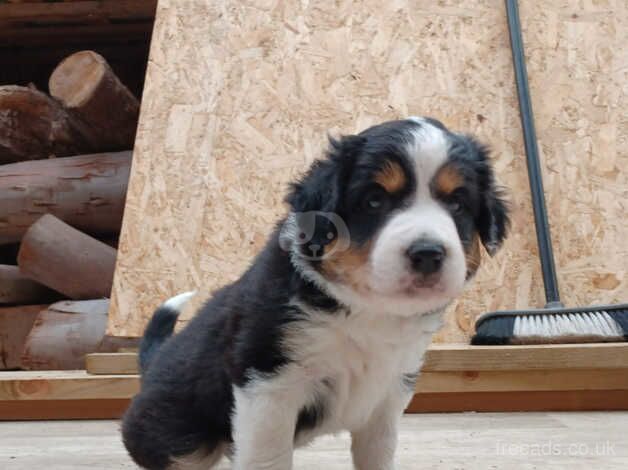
[(161, 326)]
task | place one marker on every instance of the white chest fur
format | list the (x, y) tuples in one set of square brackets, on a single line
[(359, 359)]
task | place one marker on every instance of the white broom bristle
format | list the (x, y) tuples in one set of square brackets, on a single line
[(597, 324)]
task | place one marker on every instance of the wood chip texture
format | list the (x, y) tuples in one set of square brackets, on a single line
[(240, 96)]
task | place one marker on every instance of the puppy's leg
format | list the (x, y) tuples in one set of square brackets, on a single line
[(373, 446), (264, 424)]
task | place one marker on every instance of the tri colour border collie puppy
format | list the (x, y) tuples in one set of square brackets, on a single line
[(326, 330)]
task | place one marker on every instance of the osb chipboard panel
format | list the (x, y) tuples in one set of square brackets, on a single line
[(578, 68), (240, 95)]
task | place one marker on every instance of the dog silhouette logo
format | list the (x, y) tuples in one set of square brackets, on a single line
[(319, 235)]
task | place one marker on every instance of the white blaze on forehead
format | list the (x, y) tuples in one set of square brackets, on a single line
[(424, 218), (428, 151)]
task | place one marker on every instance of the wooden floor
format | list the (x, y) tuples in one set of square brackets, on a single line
[(432, 441)]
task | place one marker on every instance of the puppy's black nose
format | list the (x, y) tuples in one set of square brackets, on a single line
[(314, 249), (426, 256)]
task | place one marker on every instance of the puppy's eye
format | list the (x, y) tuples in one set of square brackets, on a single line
[(375, 203), (458, 201), (375, 200), (454, 206)]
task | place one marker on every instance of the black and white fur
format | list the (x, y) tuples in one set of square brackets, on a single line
[(327, 328)]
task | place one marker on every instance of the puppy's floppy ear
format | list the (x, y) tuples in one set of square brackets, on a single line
[(492, 221), (321, 188), (320, 192)]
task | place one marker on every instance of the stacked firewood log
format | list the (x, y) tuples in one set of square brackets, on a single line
[(64, 166)]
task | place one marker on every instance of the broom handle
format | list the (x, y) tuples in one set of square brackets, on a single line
[(541, 223)]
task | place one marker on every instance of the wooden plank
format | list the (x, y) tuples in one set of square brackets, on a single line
[(461, 357), (111, 363), (65, 385), (566, 400), (522, 380), (11, 410), (53, 393), (579, 400), (568, 386), (439, 381)]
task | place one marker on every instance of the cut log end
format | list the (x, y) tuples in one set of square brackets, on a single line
[(87, 86), (76, 78)]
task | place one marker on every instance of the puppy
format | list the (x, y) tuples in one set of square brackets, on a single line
[(326, 330)]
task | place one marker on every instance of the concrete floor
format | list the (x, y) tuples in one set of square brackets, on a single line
[(432, 441)]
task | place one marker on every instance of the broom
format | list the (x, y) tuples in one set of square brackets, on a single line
[(554, 323)]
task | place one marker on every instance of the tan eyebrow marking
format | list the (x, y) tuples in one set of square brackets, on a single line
[(391, 177), (448, 179)]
